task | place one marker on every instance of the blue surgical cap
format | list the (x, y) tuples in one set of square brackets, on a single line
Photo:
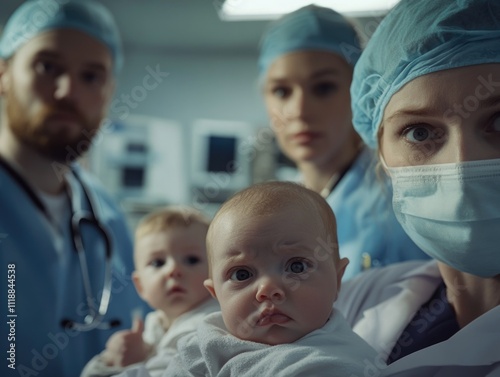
[(36, 16), (417, 38), (309, 28)]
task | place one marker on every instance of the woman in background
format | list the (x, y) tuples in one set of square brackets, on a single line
[(306, 64)]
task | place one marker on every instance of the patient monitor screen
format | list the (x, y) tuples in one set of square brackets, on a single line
[(221, 154)]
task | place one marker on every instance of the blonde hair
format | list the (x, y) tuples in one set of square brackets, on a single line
[(167, 218), (271, 197)]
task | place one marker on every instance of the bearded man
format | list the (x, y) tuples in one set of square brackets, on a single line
[(65, 249)]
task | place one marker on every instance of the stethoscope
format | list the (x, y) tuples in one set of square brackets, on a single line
[(95, 318)]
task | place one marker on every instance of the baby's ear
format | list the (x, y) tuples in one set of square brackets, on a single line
[(341, 266), (137, 283), (209, 284)]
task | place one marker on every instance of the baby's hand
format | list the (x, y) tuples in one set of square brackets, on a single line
[(127, 347)]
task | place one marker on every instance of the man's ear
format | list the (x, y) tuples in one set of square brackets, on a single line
[(4, 77), (209, 284)]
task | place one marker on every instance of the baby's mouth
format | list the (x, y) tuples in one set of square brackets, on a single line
[(272, 317), (175, 289)]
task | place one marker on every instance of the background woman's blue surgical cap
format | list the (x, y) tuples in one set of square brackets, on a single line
[(309, 28), (36, 16), (416, 38)]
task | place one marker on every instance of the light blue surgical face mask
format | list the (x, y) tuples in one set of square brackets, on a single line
[(452, 212)]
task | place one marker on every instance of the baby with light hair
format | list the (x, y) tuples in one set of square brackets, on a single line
[(274, 267), (170, 267)]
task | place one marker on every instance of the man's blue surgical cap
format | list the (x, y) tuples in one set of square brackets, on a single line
[(417, 38), (37, 16), (309, 28)]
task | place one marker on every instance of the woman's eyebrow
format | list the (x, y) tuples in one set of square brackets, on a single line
[(319, 73), (325, 72), (490, 101), (424, 111)]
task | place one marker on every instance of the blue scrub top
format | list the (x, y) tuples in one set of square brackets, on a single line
[(368, 231), (46, 287)]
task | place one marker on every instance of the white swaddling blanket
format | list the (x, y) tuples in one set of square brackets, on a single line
[(333, 350), (164, 341)]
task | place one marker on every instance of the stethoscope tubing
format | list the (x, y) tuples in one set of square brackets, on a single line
[(95, 318)]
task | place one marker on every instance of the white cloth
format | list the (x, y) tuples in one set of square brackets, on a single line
[(333, 350), (163, 341), (380, 303), (138, 370)]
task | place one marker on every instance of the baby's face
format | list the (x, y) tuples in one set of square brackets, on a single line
[(170, 269), (274, 275)]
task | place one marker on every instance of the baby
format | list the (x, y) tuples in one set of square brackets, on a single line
[(275, 269), (170, 267)]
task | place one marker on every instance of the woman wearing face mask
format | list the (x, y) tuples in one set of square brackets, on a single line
[(426, 93), (306, 63)]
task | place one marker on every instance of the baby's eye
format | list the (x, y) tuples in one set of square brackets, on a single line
[(47, 67), (241, 275), (192, 260), (157, 262), (298, 266)]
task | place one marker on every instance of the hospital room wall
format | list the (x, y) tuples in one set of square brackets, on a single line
[(208, 85), (186, 86)]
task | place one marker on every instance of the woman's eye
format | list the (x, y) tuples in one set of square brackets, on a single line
[(91, 77), (298, 267), (192, 260), (241, 275), (495, 127), (417, 134), (94, 77), (325, 89), (157, 263)]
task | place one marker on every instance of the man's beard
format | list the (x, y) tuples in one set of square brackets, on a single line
[(32, 130)]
